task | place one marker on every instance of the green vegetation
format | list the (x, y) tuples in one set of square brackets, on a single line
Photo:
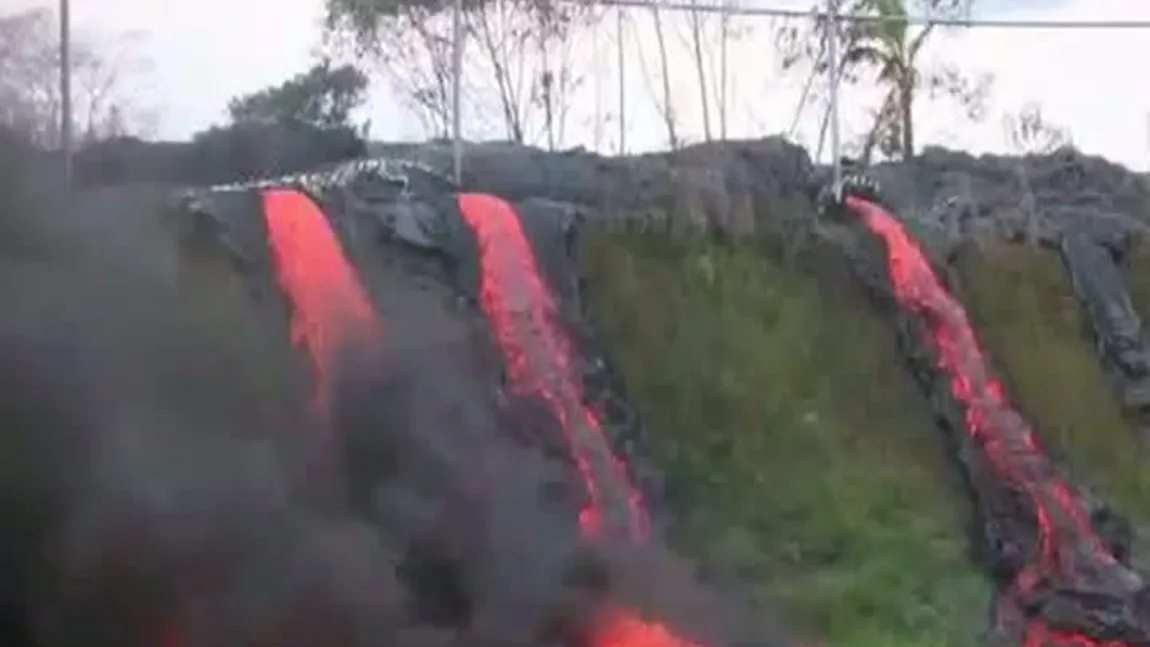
[(1139, 267), (774, 392), (1021, 301)]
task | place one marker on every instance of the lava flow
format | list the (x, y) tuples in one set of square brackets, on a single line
[(330, 310), (540, 362), (1070, 564)]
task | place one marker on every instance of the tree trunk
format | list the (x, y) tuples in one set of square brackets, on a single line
[(620, 66), (723, 44), (546, 81), (668, 109), (700, 71), (906, 116), (499, 56)]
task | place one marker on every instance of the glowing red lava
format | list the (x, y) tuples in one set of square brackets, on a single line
[(540, 361), (330, 310), (1069, 551), (522, 311), (617, 629)]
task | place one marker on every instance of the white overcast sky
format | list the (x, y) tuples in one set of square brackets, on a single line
[(205, 51)]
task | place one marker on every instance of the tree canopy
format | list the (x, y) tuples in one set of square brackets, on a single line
[(323, 96)]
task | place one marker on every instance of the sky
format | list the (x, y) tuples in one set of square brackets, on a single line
[(203, 52)]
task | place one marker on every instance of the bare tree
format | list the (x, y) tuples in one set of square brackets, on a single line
[(696, 27), (664, 103), (556, 79), (504, 34), (1028, 132), (28, 65), (521, 46), (709, 49), (414, 50), (725, 34), (29, 68)]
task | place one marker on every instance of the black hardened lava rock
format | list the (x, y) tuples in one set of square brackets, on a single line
[(1095, 257), (399, 201)]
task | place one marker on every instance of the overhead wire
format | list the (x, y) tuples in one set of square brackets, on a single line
[(942, 21)]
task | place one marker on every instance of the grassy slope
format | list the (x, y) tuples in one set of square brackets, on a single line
[(780, 399), (1140, 276), (1021, 301)]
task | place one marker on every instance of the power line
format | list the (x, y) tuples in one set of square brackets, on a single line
[(674, 5)]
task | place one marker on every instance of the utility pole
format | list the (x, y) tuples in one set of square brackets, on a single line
[(832, 26), (66, 144), (456, 89)]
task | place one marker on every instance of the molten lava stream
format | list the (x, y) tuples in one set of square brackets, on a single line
[(331, 312), (540, 362), (1001, 433), (330, 309)]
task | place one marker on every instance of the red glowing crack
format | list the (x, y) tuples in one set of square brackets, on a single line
[(1068, 547)]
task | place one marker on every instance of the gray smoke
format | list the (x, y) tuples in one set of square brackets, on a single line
[(153, 496), (148, 499)]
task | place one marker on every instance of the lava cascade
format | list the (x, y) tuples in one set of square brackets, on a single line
[(1070, 560), (330, 312), (330, 309), (540, 362)]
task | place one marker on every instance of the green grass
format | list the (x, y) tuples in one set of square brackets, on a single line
[(1139, 266), (775, 397), (1024, 308)]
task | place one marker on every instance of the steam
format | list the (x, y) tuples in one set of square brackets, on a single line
[(148, 499), (166, 484)]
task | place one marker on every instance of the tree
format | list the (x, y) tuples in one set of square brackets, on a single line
[(29, 89), (697, 37), (890, 50), (323, 96), (709, 49), (504, 35), (522, 45), (664, 102), (1029, 132), (886, 52), (556, 80)]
